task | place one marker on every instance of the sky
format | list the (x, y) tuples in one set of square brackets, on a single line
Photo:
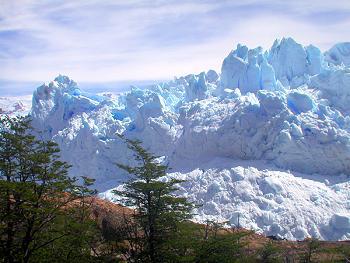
[(109, 41)]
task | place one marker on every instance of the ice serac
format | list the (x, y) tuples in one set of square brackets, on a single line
[(287, 64), (268, 78), (197, 88), (289, 59), (339, 54), (55, 103), (212, 76), (233, 71), (315, 60), (247, 70), (333, 85), (267, 139)]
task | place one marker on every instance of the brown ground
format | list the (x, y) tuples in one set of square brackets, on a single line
[(289, 251)]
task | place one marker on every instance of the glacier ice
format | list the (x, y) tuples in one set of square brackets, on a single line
[(339, 54), (285, 111)]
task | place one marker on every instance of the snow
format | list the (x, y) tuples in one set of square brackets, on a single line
[(266, 139), (16, 105)]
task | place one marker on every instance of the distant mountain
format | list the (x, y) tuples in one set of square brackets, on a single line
[(266, 139), (16, 105)]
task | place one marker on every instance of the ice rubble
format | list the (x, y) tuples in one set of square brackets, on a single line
[(286, 107)]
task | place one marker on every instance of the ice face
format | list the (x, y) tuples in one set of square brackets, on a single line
[(287, 107)]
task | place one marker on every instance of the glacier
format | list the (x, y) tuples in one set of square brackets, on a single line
[(267, 138)]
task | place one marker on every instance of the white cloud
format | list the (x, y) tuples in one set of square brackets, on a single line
[(125, 40)]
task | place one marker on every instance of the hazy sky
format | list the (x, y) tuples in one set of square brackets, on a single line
[(113, 40)]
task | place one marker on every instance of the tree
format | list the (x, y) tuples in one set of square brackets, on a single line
[(36, 197), (221, 244), (82, 237), (312, 245), (269, 253), (157, 210)]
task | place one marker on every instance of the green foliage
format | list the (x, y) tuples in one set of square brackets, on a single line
[(270, 253), (221, 244), (344, 250), (157, 211), (184, 244), (312, 245), (222, 248), (38, 221)]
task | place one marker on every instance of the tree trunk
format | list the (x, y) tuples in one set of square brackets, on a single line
[(151, 237), (9, 242)]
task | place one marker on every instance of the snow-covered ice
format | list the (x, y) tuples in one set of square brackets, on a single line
[(267, 138)]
